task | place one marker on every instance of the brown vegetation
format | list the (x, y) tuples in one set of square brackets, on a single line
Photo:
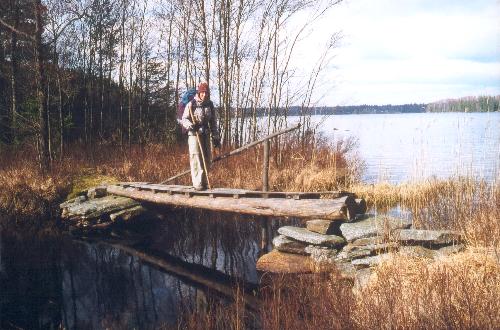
[(467, 204), (28, 194), (459, 292)]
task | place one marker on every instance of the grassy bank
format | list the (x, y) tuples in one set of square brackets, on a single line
[(27, 196)]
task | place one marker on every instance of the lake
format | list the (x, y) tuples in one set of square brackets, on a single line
[(402, 147)]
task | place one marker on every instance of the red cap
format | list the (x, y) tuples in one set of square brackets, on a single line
[(203, 87)]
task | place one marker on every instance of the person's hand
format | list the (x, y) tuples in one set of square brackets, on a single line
[(190, 127)]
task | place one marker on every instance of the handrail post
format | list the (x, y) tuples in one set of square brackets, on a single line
[(265, 167)]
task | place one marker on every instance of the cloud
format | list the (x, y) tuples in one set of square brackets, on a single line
[(414, 51)]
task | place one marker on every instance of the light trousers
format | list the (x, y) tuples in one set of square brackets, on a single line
[(198, 174)]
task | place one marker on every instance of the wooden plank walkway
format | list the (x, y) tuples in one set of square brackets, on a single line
[(229, 192), (340, 205)]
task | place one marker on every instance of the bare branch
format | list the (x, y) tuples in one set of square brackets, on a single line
[(13, 29)]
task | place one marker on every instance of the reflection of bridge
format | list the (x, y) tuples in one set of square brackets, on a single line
[(197, 275), (329, 205)]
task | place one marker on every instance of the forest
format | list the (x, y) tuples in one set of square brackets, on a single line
[(112, 71)]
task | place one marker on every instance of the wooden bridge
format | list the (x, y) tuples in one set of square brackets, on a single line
[(328, 205)]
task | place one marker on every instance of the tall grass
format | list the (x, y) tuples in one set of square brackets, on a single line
[(466, 204), (458, 292), (26, 193)]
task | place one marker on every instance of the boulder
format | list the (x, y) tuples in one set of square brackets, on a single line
[(304, 235), (285, 244), (284, 263), (427, 237), (374, 225), (325, 227)]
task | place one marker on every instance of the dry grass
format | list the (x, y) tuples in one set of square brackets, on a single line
[(469, 205), (26, 194), (459, 292)]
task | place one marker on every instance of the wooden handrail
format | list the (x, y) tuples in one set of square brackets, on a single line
[(237, 151)]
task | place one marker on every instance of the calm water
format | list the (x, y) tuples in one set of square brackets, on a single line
[(401, 147), (140, 277)]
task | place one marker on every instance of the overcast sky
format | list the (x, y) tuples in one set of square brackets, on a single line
[(410, 51)]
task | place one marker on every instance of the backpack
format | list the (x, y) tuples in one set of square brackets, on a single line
[(186, 97)]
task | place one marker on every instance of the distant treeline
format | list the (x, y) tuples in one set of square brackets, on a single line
[(466, 104), (360, 109)]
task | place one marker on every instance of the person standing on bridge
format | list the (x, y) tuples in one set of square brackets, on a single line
[(200, 122)]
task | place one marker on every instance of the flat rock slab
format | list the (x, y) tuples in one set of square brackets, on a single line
[(285, 244), (372, 226), (362, 278), (372, 247), (306, 236), (94, 208), (97, 192), (128, 214), (325, 227), (428, 237), (284, 263)]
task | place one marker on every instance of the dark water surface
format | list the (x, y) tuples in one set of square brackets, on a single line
[(145, 276)]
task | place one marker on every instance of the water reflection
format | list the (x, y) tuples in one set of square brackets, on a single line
[(143, 275), (31, 281)]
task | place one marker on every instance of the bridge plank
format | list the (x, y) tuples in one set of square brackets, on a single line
[(237, 200)]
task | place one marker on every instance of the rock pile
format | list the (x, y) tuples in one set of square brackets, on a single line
[(95, 209), (354, 247)]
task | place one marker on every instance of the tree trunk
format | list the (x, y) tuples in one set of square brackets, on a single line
[(11, 121), (41, 96)]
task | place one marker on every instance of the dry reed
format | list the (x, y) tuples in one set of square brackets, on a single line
[(466, 204)]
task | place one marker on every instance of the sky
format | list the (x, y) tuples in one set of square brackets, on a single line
[(408, 51)]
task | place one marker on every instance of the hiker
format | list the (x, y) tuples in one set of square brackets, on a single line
[(200, 122)]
